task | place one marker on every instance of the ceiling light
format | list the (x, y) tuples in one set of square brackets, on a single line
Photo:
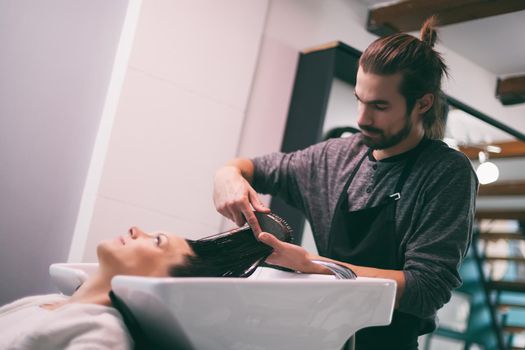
[(487, 172)]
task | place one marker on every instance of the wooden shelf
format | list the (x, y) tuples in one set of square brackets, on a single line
[(505, 307), (517, 259), (494, 236), (510, 149), (508, 188), (513, 329), (509, 214), (511, 90)]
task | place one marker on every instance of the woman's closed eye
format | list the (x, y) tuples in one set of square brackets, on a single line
[(160, 239)]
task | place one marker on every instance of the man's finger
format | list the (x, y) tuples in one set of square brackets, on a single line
[(252, 220), (236, 217), (256, 203)]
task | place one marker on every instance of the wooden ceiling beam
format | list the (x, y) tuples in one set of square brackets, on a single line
[(406, 16), (510, 149), (511, 91)]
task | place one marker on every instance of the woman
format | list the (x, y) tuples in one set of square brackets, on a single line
[(88, 320)]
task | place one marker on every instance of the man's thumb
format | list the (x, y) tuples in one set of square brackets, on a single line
[(269, 239)]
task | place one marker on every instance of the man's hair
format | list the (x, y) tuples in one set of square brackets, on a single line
[(230, 254), (421, 67)]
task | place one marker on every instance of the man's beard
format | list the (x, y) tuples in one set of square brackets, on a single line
[(384, 142)]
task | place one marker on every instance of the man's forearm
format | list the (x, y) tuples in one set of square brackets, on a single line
[(297, 258), (364, 271), (245, 167)]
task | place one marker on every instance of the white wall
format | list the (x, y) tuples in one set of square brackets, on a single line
[(55, 65), (179, 118)]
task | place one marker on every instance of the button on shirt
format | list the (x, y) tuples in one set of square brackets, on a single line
[(373, 181)]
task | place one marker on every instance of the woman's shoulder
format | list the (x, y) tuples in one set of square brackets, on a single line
[(70, 326), (105, 329), (33, 300)]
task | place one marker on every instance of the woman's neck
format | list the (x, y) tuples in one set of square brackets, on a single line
[(95, 290)]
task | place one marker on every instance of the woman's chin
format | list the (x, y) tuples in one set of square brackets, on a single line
[(105, 250)]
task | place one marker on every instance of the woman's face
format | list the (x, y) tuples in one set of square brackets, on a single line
[(142, 254)]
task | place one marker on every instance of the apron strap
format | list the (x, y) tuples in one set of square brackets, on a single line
[(343, 195), (356, 169), (408, 168), (351, 178)]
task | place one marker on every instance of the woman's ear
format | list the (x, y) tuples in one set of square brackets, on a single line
[(425, 103)]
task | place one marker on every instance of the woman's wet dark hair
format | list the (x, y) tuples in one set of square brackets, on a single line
[(232, 254)]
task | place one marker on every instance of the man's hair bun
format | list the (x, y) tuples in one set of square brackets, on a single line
[(428, 33)]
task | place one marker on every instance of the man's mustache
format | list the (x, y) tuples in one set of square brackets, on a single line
[(370, 129)]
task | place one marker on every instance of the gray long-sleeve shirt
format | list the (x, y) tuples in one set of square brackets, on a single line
[(434, 216)]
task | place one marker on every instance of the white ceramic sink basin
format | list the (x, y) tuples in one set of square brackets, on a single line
[(271, 309)]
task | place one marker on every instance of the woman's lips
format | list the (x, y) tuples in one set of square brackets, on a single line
[(122, 240)]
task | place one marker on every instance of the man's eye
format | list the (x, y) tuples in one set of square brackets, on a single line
[(380, 107), (158, 240)]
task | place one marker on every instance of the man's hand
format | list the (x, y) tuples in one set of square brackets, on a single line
[(298, 259), (290, 255), (235, 198)]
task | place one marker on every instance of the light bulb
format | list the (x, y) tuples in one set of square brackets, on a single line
[(487, 172)]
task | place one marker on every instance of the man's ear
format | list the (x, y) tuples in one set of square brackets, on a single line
[(425, 103)]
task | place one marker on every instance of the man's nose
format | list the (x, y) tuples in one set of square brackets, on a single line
[(365, 116)]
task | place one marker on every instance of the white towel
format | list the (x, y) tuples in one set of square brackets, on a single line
[(25, 325)]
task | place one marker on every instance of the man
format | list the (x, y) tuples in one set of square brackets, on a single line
[(391, 202)]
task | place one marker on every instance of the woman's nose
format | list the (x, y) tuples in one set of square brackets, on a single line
[(136, 232)]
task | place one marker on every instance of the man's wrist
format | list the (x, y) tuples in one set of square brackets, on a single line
[(311, 267), (228, 170)]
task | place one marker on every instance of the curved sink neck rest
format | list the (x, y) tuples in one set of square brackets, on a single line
[(67, 277), (340, 272)]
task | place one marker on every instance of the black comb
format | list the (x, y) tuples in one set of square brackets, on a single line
[(271, 223), (275, 225)]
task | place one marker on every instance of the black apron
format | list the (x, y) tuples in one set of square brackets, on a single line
[(367, 237)]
